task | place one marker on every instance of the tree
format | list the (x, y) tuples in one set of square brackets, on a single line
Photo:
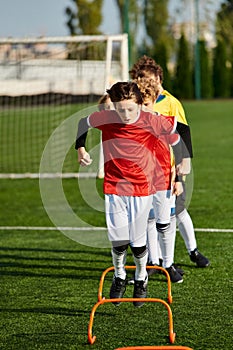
[(86, 19), (129, 11), (156, 20), (231, 72), (160, 41), (183, 77), (220, 71), (205, 71), (224, 23)]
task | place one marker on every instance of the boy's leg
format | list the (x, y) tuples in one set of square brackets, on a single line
[(162, 206), (140, 256), (139, 210), (118, 286), (141, 280), (152, 240), (119, 255), (118, 233), (187, 232)]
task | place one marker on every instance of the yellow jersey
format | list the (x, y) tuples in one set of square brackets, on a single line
[(168, 105)]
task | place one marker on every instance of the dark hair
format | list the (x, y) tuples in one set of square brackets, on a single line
[(125, 91)]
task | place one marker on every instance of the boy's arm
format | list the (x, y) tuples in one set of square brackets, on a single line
[(185, 135), (184, 167), (82, 133), (84, 158)]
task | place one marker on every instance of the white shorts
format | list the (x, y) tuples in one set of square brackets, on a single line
[(162, 203), (126, 218)]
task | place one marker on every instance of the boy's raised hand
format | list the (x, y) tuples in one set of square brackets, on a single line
[(84, 158)]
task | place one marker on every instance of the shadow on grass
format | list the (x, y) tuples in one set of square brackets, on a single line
[(72, 251)]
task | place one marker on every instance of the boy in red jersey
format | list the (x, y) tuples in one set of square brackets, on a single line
[(128, 137), (167, 104)]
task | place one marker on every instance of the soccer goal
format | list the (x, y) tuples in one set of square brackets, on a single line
[(46, 85)]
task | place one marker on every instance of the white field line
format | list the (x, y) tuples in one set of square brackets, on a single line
[(91, 228), (47, 228)]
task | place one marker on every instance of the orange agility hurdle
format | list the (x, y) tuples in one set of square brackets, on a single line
[(100, 290), (165, 347), (91, 338)]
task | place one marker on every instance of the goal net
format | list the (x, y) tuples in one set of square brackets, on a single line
[(46, 86)]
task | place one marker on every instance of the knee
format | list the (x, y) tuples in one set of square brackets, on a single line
[(138, 252), (162, 228), (120, 249)]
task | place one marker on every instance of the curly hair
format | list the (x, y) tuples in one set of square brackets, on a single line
[(149, 88), (146, 66)]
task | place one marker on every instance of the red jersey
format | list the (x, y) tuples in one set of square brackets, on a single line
[(164, 161), (129, 151)]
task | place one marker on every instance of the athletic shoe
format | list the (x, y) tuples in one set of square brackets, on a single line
[(117, 289), (178, 269), (199, 259), (175, 276), (151, 272), (140, 291)]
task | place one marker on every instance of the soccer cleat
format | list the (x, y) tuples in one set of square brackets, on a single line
[(175, 276), (140, 291), (181, 272), (117, 289), (198, 258)]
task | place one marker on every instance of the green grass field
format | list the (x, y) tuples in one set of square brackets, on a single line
[(49, 282)]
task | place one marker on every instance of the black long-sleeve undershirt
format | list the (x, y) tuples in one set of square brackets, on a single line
[(82, 133), (182, 129), (184, 132)]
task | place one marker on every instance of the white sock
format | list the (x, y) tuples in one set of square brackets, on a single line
[(167, 244), (159, 250), (186, 228), (152, 242), (119, 260), (140, 262), (172, 230)]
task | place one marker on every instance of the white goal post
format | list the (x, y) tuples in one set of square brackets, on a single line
[(43, 82)]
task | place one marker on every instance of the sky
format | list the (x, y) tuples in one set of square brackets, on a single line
[(27, 18)]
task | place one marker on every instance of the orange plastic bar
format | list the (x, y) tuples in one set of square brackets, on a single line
[(163, 347), (100, 290), (91, 338)]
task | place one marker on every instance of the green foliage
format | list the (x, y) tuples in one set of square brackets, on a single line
[(231, 71), (156, 25), (129, 12), (87, 19), (156, 20), (183, 77), (161, 57), (220, 71), (224, 23), (205, 71)]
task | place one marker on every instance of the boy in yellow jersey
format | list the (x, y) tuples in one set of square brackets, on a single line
[(167, 104)]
